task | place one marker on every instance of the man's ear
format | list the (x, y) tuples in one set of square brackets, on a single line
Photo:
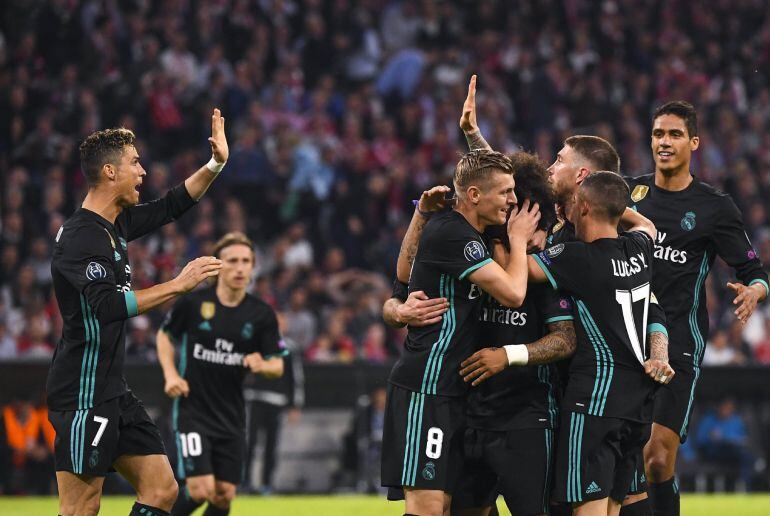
[(694, 143), (583, 173), (473, 194), (109, 171)]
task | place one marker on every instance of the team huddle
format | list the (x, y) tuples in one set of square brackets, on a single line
[(556, 325)]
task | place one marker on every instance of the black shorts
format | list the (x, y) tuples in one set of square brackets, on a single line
[(422, 440), (517, 464), (596, 457), (199, 452), (673, 402), (88, 441), (635, 465)]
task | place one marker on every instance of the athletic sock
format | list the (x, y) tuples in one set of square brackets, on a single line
[(664, 497), (184, 505), (140, 509), (640, 508), (213, 510)]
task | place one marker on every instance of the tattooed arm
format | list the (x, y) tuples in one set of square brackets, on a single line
[(657, 366), (430, 201), (558, 343), (468, 120)]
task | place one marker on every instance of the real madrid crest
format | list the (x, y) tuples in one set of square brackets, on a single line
[(208, 309), (639, 193)]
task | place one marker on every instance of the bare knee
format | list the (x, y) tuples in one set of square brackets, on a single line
[(223, 495), (200, 490), (660, 459)]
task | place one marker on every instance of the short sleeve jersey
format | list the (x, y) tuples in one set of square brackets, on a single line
[(694, 226), (450, 250), (92, 282), (609, 280), (212, 341), (519, 397)]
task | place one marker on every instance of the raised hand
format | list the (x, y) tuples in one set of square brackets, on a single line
[(468, 117), (218, 140), (523, 221), (196, 271), (434, 199)]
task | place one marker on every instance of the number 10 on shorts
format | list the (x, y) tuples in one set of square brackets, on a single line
[(191, 444), (434, 441)]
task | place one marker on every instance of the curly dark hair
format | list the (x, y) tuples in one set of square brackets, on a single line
[(531, 175), (102, 147)]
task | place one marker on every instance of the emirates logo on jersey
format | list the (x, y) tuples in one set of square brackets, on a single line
[(666, 252)]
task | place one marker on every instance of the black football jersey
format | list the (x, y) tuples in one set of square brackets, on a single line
[(610, 282), (212, 340), (694, 226), (92, 282), (450, 249), (521, 396)]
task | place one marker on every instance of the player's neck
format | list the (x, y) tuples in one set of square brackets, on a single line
[(103, 204), (228, 296), (595, 230), (471, 215), (566, 209), (674, 181)]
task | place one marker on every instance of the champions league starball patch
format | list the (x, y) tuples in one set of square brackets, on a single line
[(473, 251), (95, 271)]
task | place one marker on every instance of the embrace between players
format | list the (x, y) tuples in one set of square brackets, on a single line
[(481, 312)]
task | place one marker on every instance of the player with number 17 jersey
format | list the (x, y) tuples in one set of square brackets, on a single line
[(608, 397)]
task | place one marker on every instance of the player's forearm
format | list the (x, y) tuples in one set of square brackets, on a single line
[(273, 368), (149, 298), (165, 350), (476, 141), (634, 221), (390, 313), (198, 183), (558, 344), (409, 246), (517, 272), (658, 346)]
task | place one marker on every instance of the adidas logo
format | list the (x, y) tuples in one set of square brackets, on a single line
[(204, 326), (592, 488)]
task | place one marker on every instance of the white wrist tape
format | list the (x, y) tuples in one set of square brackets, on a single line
[(517, 354), (215, 166)]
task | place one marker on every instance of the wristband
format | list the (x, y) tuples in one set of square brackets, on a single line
[(214, 166), (425, 214), (517, 354)]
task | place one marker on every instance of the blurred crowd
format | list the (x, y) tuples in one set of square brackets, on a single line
[(340, 112)]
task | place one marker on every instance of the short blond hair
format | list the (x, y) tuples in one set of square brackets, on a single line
[(477, 167), (233, 238)]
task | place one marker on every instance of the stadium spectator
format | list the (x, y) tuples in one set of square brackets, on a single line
[(722, 437), (26, 449)]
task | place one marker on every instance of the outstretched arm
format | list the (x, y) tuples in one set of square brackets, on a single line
[(557, 344), (199, 182), (468, 120)]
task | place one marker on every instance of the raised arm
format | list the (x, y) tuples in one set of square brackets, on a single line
[(193, 273), (468, 120), (632, 220), (199, 182), (509, 284), (431, 201)]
